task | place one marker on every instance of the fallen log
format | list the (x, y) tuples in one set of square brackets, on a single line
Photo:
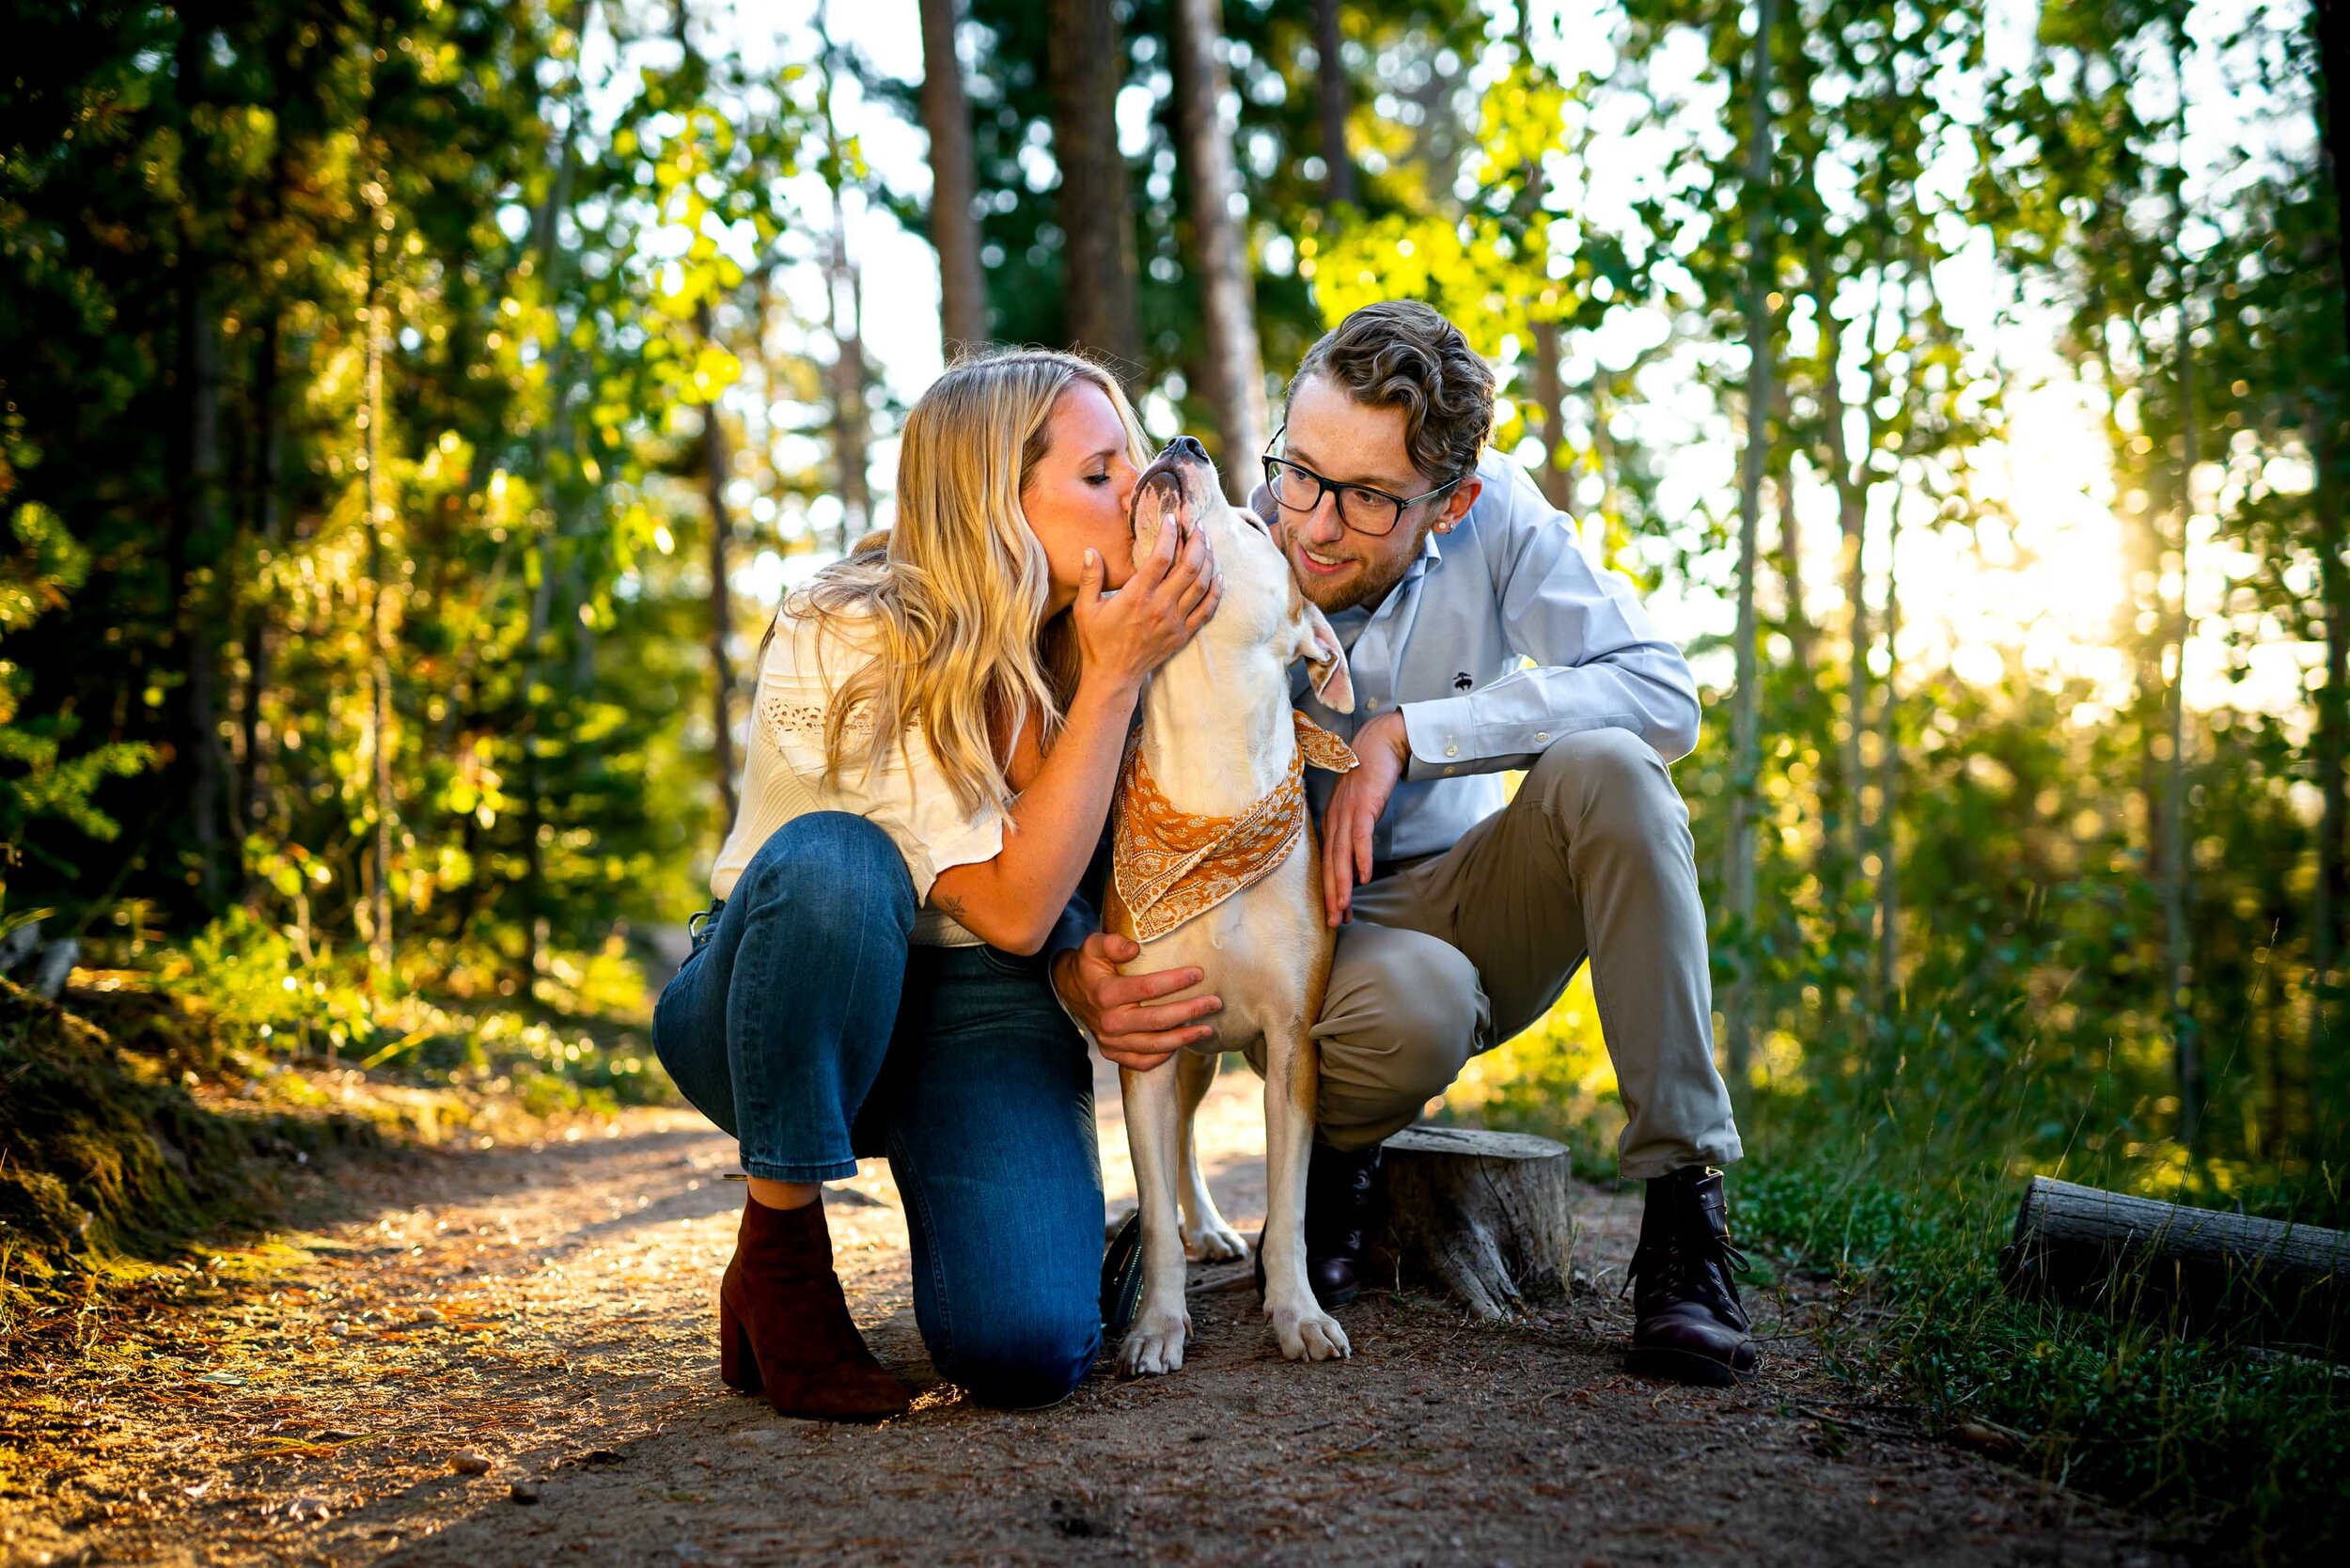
[(2138, 1257), (1485, 1215)]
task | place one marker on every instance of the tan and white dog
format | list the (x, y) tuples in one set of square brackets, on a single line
[(1218, 750)]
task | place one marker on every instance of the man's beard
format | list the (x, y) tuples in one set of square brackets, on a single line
[(1366, 586)]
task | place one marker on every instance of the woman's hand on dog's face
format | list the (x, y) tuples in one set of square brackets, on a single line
[(1124, 635), (1132, 1025)]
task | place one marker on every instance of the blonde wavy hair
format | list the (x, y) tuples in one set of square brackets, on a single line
[(956, 594)]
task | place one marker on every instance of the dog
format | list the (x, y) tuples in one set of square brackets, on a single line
[(1217, 763)]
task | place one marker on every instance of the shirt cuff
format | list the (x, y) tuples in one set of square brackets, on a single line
[(1447, 740), (1441, 737)]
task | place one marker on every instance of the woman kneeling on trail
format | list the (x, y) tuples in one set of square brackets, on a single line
[(937, 731)]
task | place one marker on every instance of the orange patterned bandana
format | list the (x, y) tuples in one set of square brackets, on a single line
[(1171, 865)]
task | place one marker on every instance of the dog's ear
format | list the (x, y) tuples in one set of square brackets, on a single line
[(1326, 661)]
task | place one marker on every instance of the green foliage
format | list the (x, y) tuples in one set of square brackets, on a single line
[(2217, 1441), (194, 236), (1514, 253), (42, 782)]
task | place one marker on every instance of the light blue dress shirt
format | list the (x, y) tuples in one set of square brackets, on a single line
[(1498, 639)]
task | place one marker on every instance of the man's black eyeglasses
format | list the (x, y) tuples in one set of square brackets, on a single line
[(1365, 508)]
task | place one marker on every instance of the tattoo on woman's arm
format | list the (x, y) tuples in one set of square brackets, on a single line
[(952, 906)]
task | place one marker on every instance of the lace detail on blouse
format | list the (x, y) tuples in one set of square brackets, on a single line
[(806, 719)]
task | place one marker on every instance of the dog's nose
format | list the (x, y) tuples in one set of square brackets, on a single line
[(1189, 446)]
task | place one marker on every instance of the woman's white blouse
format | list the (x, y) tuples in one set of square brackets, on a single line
[(906, 796)]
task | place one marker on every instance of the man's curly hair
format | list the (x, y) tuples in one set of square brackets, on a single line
[(1400, 353)]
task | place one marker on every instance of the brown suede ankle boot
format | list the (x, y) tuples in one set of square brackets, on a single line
[(783, 1324)]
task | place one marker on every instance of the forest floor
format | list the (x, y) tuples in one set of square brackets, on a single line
[(543, 1316)]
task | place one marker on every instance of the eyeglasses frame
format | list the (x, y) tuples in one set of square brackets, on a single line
[(1328, 486)]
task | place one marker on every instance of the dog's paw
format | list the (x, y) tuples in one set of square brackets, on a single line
[(1309, 1333), (1215, 1242), (1154, 1345)]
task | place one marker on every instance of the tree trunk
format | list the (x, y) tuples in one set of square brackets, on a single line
[(2130, 1257), (1851, 522), (844, 290), (1487, 1215), (265, 511), (2333, 709), (2179, 953), (547, 260), (265, 508), (379, 664), (196, 484), (1439, 130), (1334, 97), (954, 186), (2333, 705), (1802, 637), (1746, 714), (2141, 562), (852, 415), (1085, 63), (1888, 788), (1228, 294), (715, 466), (1550, 396)]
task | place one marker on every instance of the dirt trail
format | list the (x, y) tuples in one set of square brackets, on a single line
[(548, 1310)]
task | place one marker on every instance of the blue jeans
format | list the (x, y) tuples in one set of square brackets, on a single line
[(808, 1027)]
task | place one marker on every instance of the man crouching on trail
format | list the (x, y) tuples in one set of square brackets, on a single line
[(1442, 569)]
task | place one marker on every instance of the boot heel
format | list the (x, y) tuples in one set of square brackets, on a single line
[(738, 1366)]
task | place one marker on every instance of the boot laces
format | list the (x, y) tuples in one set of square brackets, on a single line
[(1686, 1265)]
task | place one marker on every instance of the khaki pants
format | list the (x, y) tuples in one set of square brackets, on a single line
[(1463, 950)]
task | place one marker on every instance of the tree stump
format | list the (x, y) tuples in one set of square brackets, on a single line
[(1484, 1215), (2254, 1279)]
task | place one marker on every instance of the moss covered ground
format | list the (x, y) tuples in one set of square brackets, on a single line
[(133, 1128)]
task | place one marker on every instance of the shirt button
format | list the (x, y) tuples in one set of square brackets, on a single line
[(1373, 706), (1451, 748), (1542, 736)]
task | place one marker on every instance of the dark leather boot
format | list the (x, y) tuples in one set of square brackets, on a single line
[(1688, 1321), (1341, 1196), (784, 1327)]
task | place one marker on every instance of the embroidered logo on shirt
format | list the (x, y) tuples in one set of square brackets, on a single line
[(1171, 865), (1463, 682)]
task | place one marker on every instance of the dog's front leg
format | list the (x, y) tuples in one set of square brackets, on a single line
[(1205, 1234), (1155, 1343), (1291, 1080)]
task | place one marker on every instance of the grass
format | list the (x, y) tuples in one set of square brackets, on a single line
[(1902, 1188), (2222, 1444)]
